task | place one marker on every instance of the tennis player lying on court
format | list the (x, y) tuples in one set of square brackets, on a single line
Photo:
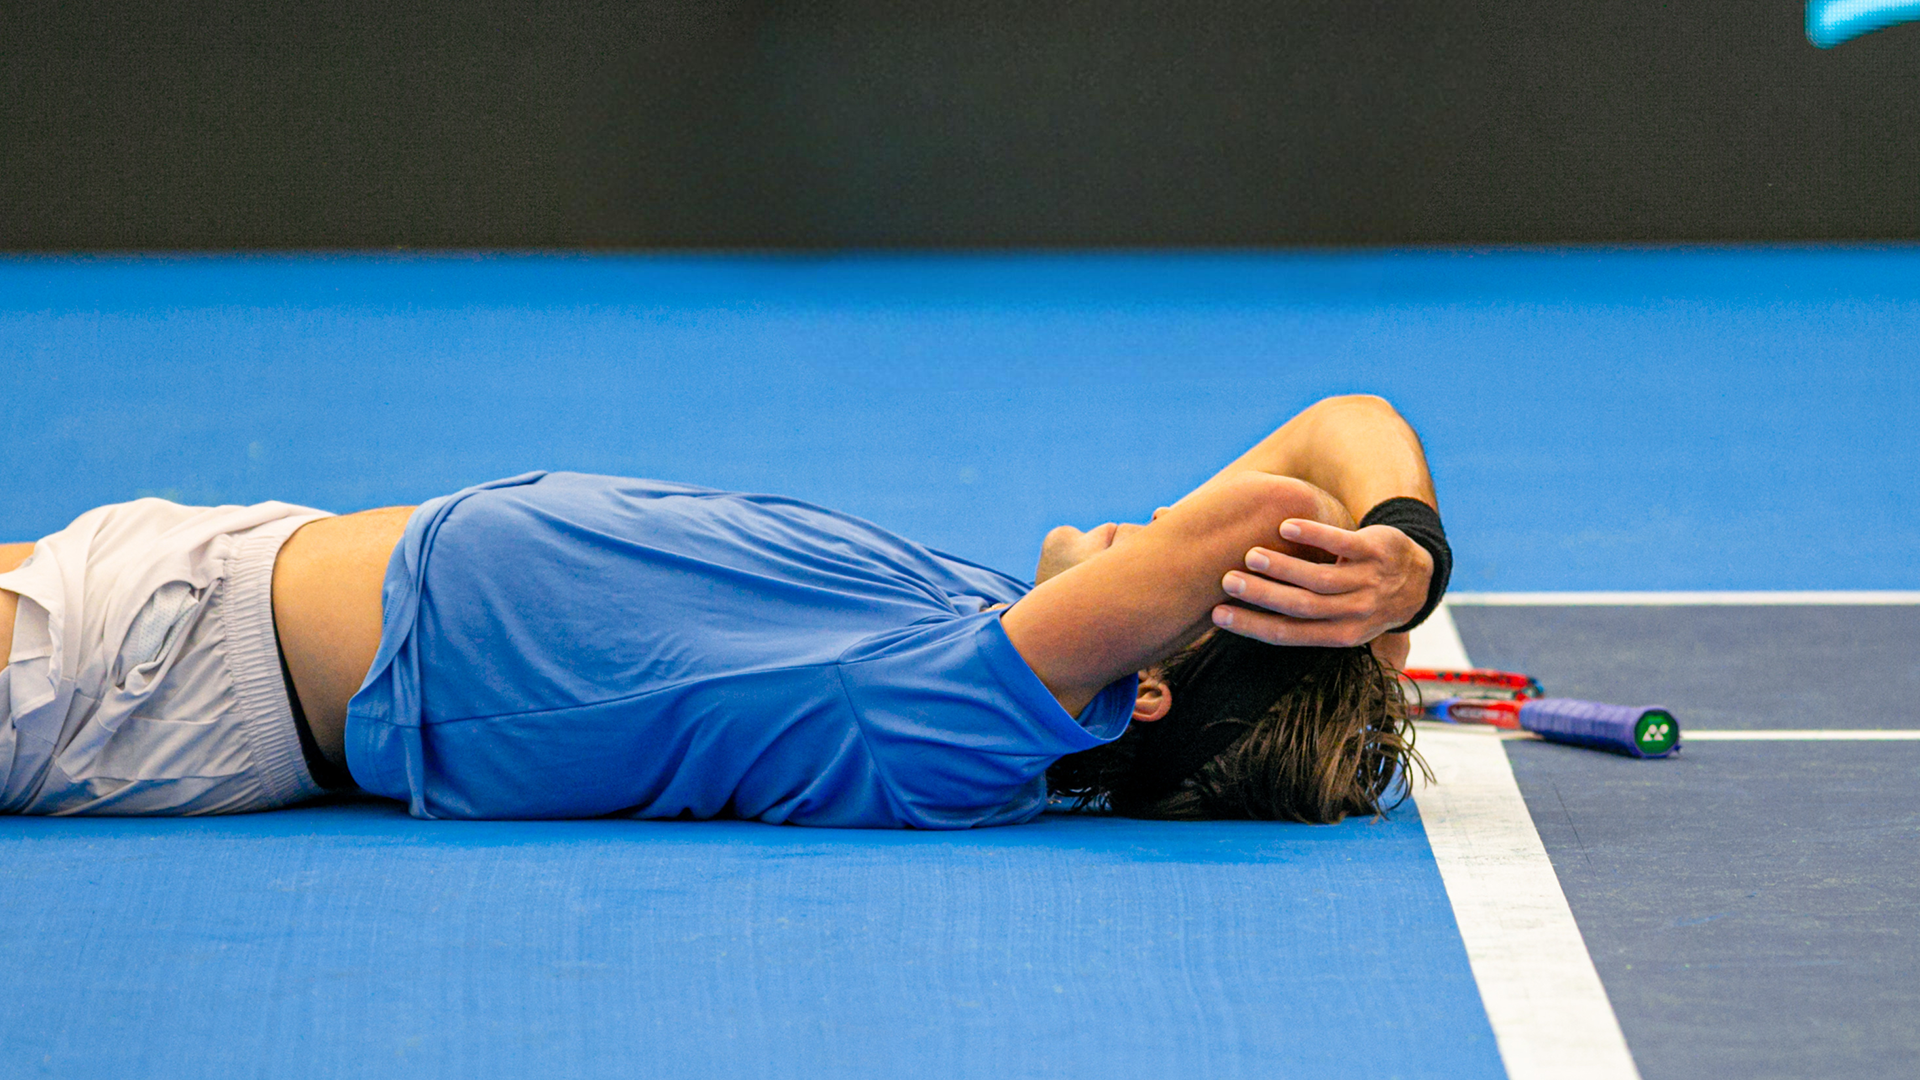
[(563, 645)]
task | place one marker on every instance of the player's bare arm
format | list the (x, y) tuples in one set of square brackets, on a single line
[(1151, 590), (1274, 530), (1361, 451)]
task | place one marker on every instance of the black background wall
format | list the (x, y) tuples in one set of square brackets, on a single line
[(508, 123)]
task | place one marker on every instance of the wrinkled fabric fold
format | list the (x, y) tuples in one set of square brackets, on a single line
[(563, 645), (144, 677)]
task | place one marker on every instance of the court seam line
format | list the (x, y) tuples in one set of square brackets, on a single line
[(1550, 1014), (1426, 725), (1836, 598), (1802, 734)]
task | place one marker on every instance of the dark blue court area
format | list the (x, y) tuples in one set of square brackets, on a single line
[(1639, 419), (1751, 906)]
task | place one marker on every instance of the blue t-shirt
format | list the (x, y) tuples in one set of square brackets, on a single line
[(563, 645)]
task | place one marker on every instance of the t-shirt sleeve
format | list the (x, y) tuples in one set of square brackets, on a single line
[(960, 728)]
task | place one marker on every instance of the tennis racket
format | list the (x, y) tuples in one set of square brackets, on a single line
[(1507, 699)]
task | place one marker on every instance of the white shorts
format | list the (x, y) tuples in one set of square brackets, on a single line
[(145, 675)]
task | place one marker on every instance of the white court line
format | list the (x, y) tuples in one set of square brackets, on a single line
[(1803, 735), (1436, 644), (1677, 599), (1482, 731), (1549, 1011)]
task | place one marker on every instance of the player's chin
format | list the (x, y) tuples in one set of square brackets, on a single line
[(1060, 535), (1065, 547)]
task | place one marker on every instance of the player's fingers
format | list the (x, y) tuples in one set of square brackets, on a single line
[(1342, 542), (1278, 630), (1323, 578), (1291, 600)]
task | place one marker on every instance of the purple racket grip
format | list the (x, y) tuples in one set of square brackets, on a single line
[(1638, 731)]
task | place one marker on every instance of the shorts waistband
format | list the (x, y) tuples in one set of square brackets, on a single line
[(253, 655)]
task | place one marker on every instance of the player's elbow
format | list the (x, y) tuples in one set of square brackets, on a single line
[(1264, 496), (1357, 405)]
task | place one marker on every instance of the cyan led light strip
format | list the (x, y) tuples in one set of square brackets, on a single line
[(1830, 22)]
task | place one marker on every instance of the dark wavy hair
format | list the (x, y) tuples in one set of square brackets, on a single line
[(1257, 731)]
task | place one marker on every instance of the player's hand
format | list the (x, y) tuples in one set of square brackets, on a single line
[(1377, 580)]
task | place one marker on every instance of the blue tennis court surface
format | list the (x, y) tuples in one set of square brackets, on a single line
[(353, 941), (1628, 420), (1688, 419)]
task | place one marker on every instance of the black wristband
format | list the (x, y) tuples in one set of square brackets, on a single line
[(1421, 523)]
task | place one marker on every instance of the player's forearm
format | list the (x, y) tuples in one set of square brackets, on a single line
[(1152, 592), (1363, 453), (1358, 448)]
